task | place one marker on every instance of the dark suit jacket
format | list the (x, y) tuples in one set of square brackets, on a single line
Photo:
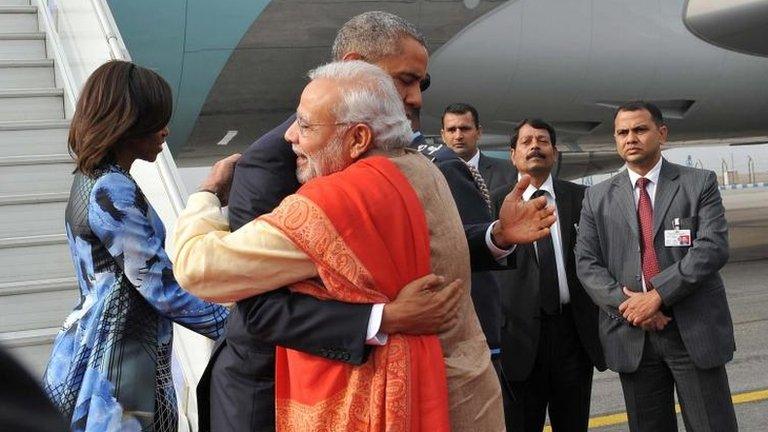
[(608, 258), (472, 209), (496, 172), (244, 359), (520, 291), (476, 218), (23, 405)]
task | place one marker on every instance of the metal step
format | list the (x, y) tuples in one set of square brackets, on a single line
[(18, 19), (35, 305), (32, 219), (35, 174), (6, 200), (15, 74), (31, 347), (32, 104), (36, 137), (38, 286), (29, 258), (22, 46), (14, 2)]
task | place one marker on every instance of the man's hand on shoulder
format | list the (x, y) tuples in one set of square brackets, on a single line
[(219, 179), (424, 306), (522, 222)]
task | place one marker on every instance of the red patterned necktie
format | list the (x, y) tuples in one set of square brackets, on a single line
[(645, 219)]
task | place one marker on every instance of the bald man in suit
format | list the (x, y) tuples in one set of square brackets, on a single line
[(651, 242)]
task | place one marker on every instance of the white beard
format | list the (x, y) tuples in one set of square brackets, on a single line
[(327, 160)]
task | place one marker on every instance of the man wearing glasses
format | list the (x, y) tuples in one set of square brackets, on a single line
[(237, 390)]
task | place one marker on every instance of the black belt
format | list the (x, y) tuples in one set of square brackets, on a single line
[(563, 309)]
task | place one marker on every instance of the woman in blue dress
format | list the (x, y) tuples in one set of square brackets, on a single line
[(110, 368)]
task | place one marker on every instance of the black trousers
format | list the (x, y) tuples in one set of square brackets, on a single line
[(704, 394), (560, 382)]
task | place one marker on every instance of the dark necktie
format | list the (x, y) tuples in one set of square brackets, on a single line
[(648, 258), (480, 183), (549, 288)]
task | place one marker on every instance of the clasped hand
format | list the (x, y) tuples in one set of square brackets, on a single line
[(642, 309)]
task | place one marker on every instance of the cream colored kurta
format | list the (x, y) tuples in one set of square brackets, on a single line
[(221, 266)]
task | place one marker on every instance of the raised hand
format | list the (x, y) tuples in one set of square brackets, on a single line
[(522, 222)]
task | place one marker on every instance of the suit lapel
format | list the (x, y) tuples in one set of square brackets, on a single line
[(564, 210), (625, 200), (485, 168), (665, 192)]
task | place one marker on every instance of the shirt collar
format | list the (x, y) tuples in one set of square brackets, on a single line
[(475, 160), (652, 175), (548, 186)]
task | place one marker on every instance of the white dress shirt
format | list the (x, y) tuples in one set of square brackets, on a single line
[(562, 276), (475, 160), (653, 181)]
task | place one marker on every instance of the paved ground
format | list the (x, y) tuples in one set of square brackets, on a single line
[(747, 287)]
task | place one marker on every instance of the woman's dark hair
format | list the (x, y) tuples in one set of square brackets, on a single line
[(119, 102)]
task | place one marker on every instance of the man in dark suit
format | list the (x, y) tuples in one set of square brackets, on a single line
[(549, 337), (461, 132), (23, 404), (651, 242), (237, 390)]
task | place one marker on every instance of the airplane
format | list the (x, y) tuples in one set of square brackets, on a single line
[(241, 68)]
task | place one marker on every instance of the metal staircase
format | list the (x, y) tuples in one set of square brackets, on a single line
[(37, 284), (46, 54)]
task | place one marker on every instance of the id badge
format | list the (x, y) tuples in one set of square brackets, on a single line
[(677, 238)]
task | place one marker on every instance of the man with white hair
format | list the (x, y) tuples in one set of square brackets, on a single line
[(236, 391), (371, 216)]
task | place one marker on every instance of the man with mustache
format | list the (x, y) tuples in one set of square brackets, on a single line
[(370, 217), (236, 392), (550, 338)]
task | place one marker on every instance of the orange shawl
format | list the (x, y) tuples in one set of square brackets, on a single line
[(366, 231)]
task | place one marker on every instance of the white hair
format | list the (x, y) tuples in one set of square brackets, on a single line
[(368, 96)]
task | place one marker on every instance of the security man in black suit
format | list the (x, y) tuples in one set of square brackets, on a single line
[(23, 404), (549, 337), (461, 131)]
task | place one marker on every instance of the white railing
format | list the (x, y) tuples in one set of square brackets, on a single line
[(81, 36)]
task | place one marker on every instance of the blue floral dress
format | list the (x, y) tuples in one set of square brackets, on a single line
[(110, 368)]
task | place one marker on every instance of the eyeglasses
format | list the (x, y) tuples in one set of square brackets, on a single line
[(425, 82), (306, 128)]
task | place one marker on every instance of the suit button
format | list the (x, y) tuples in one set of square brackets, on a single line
[(345, 356)]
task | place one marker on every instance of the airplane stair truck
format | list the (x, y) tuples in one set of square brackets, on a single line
[(47, 50)]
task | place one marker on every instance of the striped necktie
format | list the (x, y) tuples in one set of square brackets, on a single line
[(480, 183)]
